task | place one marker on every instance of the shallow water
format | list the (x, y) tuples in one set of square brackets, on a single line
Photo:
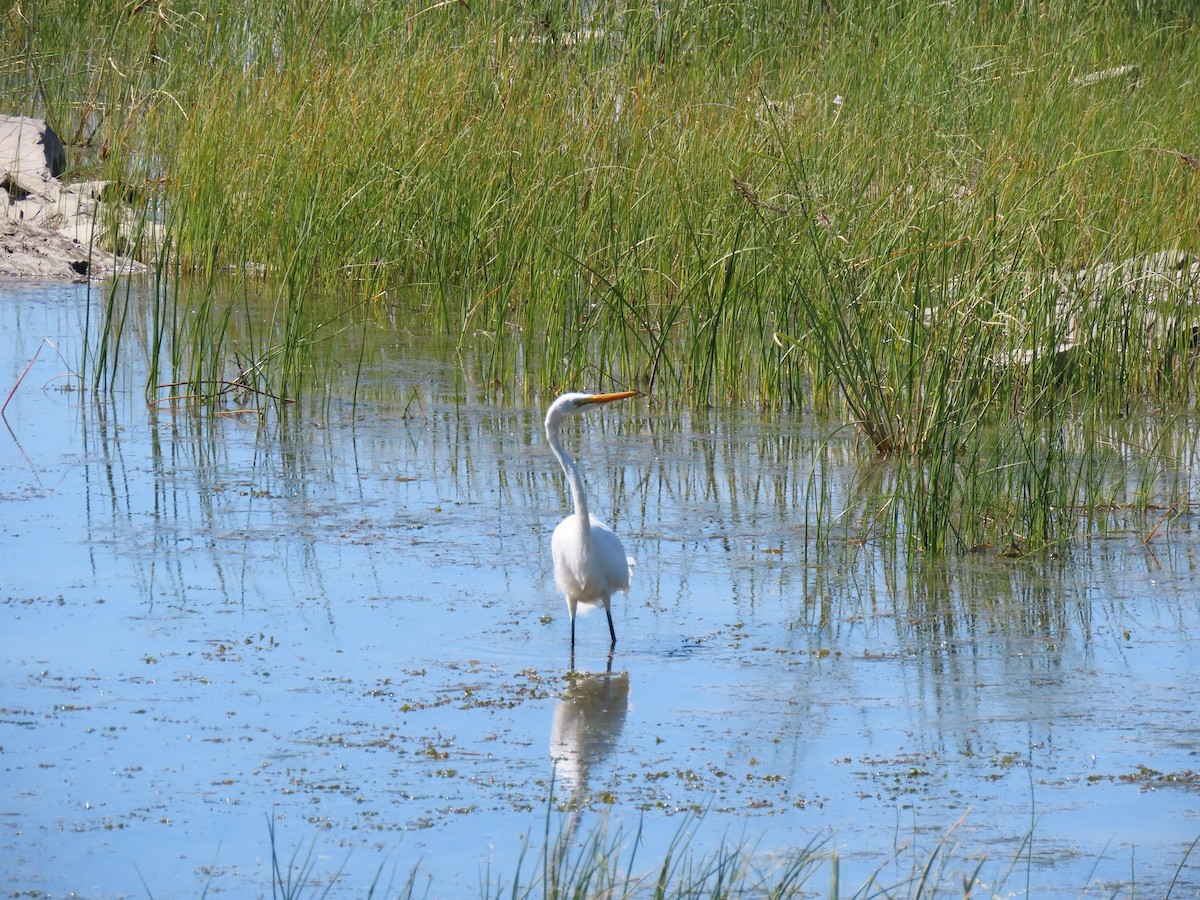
[(346, 625)]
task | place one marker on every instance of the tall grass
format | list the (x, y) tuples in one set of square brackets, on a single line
[(857, 209)]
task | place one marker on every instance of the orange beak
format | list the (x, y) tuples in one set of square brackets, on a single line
[(609, 398)]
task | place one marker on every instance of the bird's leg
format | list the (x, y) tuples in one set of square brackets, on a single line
[(572, 633), (611, 631)]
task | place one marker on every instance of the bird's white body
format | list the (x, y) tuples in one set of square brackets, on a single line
[(589, 562), (589, 568)]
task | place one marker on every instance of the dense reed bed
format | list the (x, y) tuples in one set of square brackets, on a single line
[(909, 215)]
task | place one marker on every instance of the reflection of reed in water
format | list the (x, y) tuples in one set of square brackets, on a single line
[(587, 723)]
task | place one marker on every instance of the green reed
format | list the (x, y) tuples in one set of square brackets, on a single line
[(604, 862), (861, 210)]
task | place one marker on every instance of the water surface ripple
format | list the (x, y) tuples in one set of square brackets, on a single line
[(346, 624)]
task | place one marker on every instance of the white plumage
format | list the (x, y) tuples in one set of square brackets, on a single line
[(589, 562)]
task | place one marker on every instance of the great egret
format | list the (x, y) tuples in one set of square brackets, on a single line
[(589, 562)]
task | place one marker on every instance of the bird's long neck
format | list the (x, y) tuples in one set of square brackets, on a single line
[(574, 478)]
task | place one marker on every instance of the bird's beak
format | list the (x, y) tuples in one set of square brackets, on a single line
[(609, 398)]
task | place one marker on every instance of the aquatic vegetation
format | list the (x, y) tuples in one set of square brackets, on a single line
[(928, 222), (605, 863)]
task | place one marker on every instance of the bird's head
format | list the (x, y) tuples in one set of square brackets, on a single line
[(570, 404)]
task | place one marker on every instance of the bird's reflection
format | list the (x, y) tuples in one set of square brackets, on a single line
[(587, 723)]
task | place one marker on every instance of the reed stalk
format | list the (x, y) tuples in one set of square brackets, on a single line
[(897, 214)]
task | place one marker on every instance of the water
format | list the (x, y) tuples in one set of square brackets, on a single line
[(344, 627)]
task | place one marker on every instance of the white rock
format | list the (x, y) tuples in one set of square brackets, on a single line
[(52, 230), (29, 148)]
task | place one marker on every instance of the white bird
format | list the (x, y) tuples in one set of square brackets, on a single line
[(589, 562)]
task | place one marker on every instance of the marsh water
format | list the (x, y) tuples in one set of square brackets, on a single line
[(336, 635)]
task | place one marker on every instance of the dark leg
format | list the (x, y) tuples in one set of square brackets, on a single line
[(572, 635), (612, 631)]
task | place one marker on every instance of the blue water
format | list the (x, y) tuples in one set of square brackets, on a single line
[(345, 624)]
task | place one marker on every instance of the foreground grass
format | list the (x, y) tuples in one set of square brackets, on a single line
[(605, 864), (854, 209)]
